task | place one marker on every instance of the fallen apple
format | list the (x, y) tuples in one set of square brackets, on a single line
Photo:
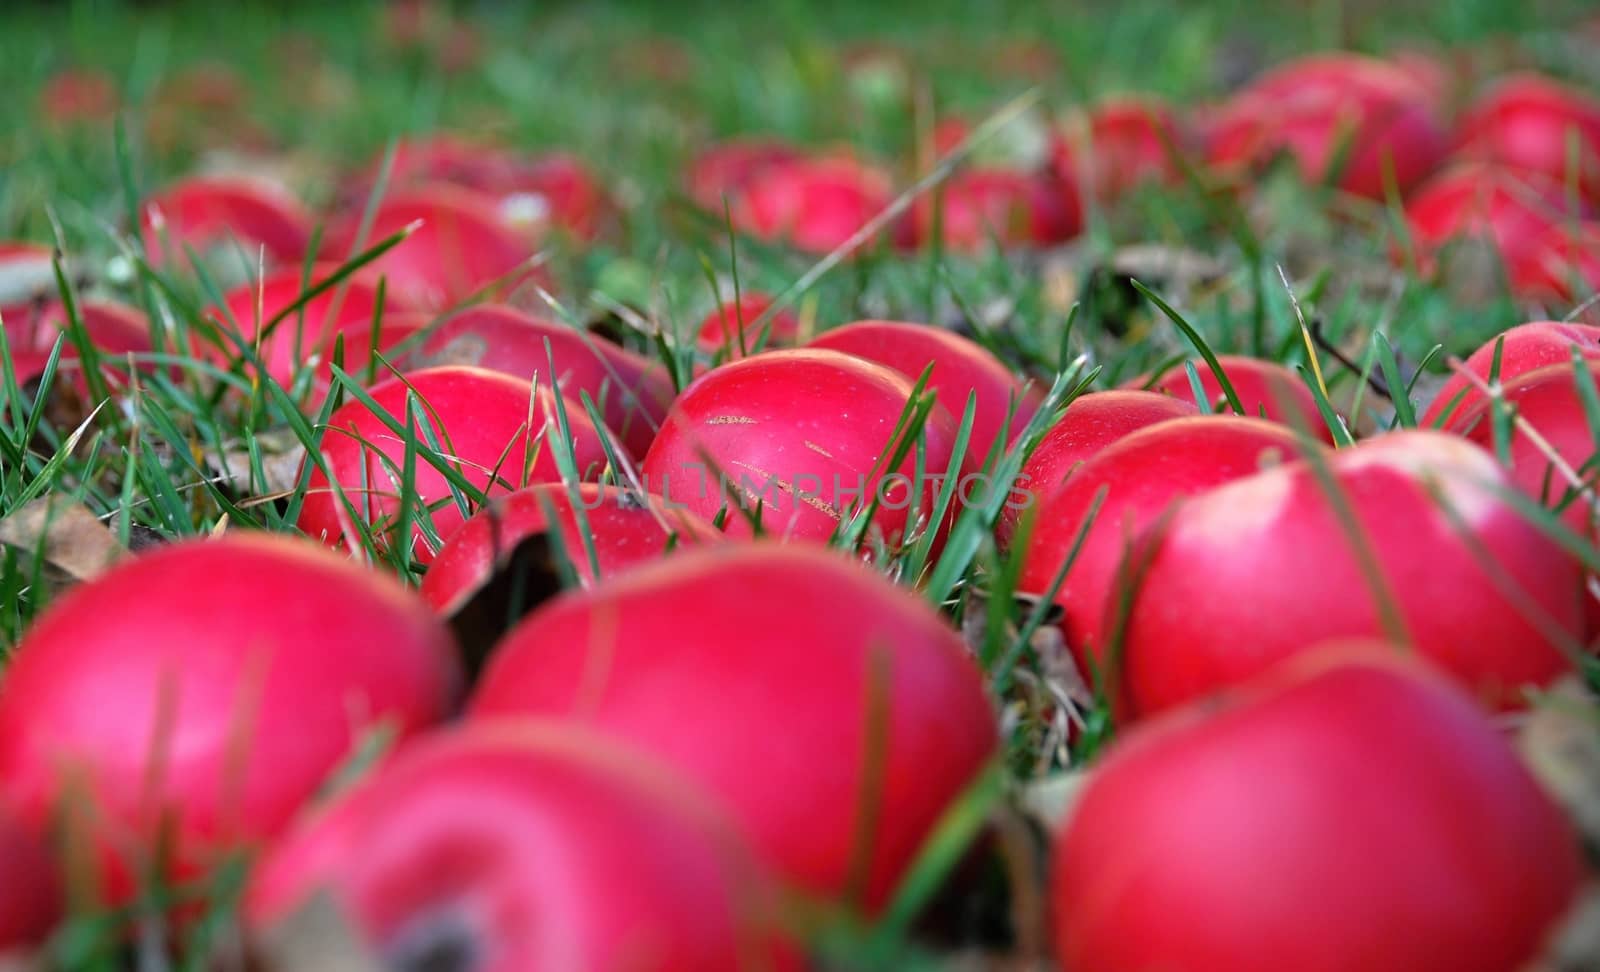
[(721, 329), (815, 205), (1265, 389), (1524, 348), (243, 218), (1532, 123)]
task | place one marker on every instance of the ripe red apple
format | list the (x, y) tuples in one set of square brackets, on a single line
[(462, 248), (1090, 423), (242, 217), (492, 429), (813, 204), (978, 207), (1120, 144), (529, 846), (1532, 123), (759, 671), (1524, 348), (1508, 210), (727, 168), (1145, 474), (30, 897), (114, 329), (1356, 119), (307, 335), (1560, 266), (185, 703), (1265, 388), (1291, 795), (719, 331), (959, 365), (805, 434), (624, 528), (1479, 590), (631, 392)]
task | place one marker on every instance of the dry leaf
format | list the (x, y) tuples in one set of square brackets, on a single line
[(315, 938), (281, 457), (1049, 800), (74, 542), (1560, 742)]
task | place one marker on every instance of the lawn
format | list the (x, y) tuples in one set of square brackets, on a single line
[(110, 452)]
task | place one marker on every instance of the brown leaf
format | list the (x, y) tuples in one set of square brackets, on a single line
[(318, 937), (75, 544), (281, 457), (1560, 743)]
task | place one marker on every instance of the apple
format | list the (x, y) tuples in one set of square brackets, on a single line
[(1532, 123), (242, 217), (1522, 349), (813, 204), (80, 95), (631, 392), (624, 529), (31, 896), (463, 247), (1265, 388), (1476, 588), (719, 331), (1090, 423), (184, 704), (495, 431), (797, 687), (115, 330), (1561, 266), (1243, 834), (1004, 403), (1122, 143), (1144, 475), (804, 436), (1509, 211), (978, 207), (525, 846), (725, 169)]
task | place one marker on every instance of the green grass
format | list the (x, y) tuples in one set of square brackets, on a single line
[(636, 88)]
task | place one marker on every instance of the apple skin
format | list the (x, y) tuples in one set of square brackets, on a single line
[(207, 212), (1146, 473), (802, 428), (1524, 348), (1121, 144), (1295, 791), (631, 392), (349, 307), (1090, 423), (31, 900), (115, 330), (529, 845), (959, 365), (1509, 211), (1314, 107), (463, 247), (719, 330), (812, 204), (1277, 536), (211, 686), (1265, 388), (704, 649), (1562, 266), (625, 529), (1531, 123), (482, 420), (727, 168)]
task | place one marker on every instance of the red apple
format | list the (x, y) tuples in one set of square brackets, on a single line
[(79, 95), (184, 704), (30, 897), (631, 392), (1120, 144), (1510, 211), (1089, 424), (114, 329), (1524, 348), (1004, 404), (1478, 589), (462, 248), (1265, 388), (233, 214), (1144, 474), (804, 434), (305, 336), (760, 671), (1532, 123), (1290, 796), (624, 528), (529, 846), (980, 206), (813, 204), (719, 331), (727, 168), (492, 429), (1561, 266)]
